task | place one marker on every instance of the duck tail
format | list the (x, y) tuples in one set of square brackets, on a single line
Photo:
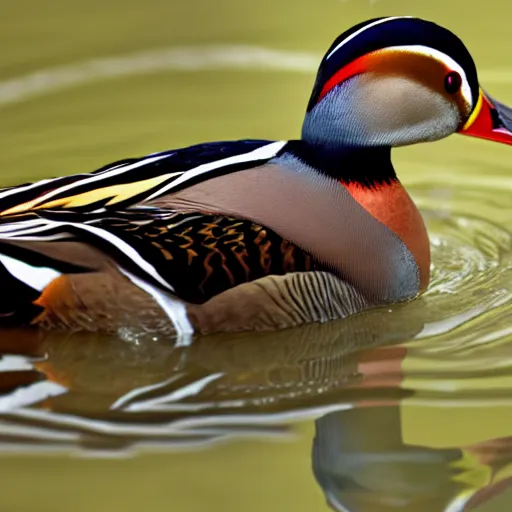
[(17, 299), (27, 269)]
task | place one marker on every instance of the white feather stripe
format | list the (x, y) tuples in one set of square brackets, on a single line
[(17, 190), (17, 226), (47, 238), (38, 278), (94, 178), (173, 307), (125, 248), (262, 153)]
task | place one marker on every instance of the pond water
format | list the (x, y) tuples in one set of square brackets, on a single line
[(402, 408)]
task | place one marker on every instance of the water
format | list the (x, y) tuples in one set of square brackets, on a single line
[(402, 408)]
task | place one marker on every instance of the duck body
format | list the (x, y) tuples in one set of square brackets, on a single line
[(254, 234), (241, 234)]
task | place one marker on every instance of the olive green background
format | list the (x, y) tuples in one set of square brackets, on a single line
[(80, 128)]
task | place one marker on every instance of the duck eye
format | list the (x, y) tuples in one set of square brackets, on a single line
[(452, 82)]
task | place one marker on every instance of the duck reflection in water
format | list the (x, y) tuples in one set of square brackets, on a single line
[(116, 394), (114, 379), (363, 464)]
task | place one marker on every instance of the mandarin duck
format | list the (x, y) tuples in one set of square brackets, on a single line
[(254, 234)]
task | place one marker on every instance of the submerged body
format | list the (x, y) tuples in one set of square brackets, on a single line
[(254, 234)]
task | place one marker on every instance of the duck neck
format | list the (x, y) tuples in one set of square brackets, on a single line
[(366, 166)]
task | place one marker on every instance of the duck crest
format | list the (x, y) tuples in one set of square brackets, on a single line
[(375, 34)]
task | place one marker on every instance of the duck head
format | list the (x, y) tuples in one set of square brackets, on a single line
[(396, 81)]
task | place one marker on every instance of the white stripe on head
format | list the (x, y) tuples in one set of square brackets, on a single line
[(451, 64), (366, 27)]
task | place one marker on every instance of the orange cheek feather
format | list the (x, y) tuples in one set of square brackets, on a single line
[(354, 68), (391, 205)]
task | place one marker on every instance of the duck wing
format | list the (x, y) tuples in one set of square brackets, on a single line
[(95, 222), (190, 256), (136, 181)]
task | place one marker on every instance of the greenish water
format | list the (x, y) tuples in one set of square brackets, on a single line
[(407, 408)]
